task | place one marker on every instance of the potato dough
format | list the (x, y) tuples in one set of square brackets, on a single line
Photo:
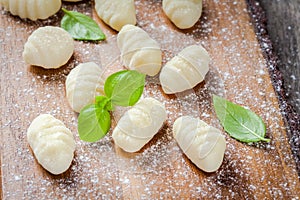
[(32, 9), (185, 70), (204, 145), (139, 124), (52, 143), (183, 13), (48, 47), (83, 84), (139, 51), (116, 13)]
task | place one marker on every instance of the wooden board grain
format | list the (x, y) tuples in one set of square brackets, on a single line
[(238, 71)]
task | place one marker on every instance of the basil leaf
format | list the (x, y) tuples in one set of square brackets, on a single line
[(81, 27), (124, 88), (240, 123), (93, 123)]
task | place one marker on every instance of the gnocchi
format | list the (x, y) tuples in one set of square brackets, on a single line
[(139, 124), (52, 143), (83, 84), (204, 145), (48, 47), (183, 13), (32, 9), (185, 70), (116, 13), (139, 51)]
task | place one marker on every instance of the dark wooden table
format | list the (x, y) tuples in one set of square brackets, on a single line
[(283, 24), (283, 28), (239, 71)]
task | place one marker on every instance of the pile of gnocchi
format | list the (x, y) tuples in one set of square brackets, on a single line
[(51, 47)]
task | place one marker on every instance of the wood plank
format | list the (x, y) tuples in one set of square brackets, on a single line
[(238, 71)]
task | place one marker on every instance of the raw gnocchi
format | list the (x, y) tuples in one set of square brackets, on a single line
[(116, 13), (183, 13), (32, 9), (83, 84), (204, 145), (48, 47), (139, 124), (52, 143), (139, 51), (185, 70)]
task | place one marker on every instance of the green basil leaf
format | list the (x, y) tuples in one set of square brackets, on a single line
[(81, 27), (124, 88), (240, 123), (93, 123)]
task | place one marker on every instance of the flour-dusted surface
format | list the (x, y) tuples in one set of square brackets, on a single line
[(160, 170)]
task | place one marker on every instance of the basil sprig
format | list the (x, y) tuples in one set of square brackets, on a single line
[(123, 88), (239, 122), (81, 27)]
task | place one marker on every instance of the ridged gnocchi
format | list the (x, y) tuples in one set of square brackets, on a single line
[(204, 145), (48, 47), (183, 13), (116, 13), (32, 9), (139, 124), (83, 84), (185, 70), (52, 143), (139, 51)]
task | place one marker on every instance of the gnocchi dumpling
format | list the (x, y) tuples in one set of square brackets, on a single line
[(139, 124), (52, 143), (116, 13), (204, 145), (185, 70), (83, 84), (32, 9), (48, 47), (139, 51), (183, 13)]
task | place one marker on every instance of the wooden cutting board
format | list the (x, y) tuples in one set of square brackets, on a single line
[(238, 72)]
